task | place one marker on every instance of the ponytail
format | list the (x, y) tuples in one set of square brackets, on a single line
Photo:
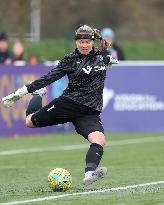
[(104, 44)]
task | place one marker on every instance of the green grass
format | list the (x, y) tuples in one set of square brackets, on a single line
[(54, 49), (24, 176), (143, 50)]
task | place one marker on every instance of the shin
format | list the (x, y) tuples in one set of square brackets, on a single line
[(95, 152)]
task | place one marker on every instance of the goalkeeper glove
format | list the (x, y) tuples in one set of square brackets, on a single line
[(113, 61), (9, 100)]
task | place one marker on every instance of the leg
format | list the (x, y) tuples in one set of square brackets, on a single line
[(34, 105), (29, 122), (91, 128), (95, 152), (56, 112), (93, 158), (97, 137)]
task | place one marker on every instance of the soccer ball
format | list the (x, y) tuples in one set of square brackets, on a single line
[(59, 179)]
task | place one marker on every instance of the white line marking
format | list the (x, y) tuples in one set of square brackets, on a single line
[(82, 146), (83, 193)]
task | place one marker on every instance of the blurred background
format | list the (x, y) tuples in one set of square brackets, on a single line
[(46, 27), (34, 36), (38, 33)]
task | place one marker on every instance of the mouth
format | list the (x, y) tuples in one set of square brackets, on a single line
[(84, 50)]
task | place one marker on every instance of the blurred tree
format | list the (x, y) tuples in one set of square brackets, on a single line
[(22, 8), (14, 17), (35, 19), (130, 19)]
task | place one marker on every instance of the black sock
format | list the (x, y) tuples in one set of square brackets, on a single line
[(93, 157), (34, 105)]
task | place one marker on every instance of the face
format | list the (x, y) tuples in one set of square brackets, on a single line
[(84, 46), (18, 49), (3, 45)]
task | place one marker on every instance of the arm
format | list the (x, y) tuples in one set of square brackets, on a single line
[(55, 74)]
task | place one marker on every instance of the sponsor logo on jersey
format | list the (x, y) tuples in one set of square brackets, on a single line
[(88, 69)]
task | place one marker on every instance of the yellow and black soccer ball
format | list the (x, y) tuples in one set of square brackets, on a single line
[(59, 179)]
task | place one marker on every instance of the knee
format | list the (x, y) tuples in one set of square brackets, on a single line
[(29, 122), (97, 137)]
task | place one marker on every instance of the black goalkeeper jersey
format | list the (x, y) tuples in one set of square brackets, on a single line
[(86, 74)]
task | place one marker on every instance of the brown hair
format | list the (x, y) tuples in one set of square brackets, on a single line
[(86, 31)]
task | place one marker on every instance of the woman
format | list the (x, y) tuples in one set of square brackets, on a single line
[(18, 53), (114, 50), (81, 102)]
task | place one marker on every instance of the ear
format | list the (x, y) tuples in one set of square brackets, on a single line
[(76, 43)]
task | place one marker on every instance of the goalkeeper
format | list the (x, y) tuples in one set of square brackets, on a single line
[(81, 102)]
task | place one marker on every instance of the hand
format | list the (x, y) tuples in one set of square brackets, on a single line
[(113, 60), (9, 100), (13, 97)]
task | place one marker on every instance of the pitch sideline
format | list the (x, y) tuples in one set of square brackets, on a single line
[(83, 193), (82, 146)]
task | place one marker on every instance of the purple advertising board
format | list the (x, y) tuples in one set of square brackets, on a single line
[(12, 120), (133, 99)]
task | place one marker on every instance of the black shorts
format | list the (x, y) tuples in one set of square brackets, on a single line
[(61, 110)]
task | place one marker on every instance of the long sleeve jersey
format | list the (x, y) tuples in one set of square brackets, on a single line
[(86, 74)]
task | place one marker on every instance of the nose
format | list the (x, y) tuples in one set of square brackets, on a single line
[(85, 45)]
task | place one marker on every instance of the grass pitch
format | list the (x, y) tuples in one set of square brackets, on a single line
[(23, 174)]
